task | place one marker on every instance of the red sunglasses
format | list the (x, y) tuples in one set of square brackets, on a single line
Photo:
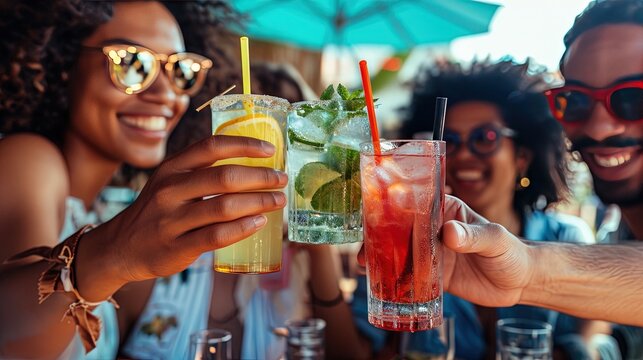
[(573, 104)]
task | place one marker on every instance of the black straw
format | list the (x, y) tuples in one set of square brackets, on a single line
[(440, 115)]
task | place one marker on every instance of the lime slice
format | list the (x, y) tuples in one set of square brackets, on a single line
[(343, 160), (314, 141), (338, 196), (304, 131), (311, 176)]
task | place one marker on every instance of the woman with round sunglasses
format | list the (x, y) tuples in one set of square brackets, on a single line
[(87, 87), (505, 159)]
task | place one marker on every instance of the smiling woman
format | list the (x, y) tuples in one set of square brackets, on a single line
[(86, 88)]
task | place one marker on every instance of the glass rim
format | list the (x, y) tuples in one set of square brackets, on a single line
[(312, 323), (297, 105), (218, 103), (512, 325), (201, 336), (319, 101), (369, 144)]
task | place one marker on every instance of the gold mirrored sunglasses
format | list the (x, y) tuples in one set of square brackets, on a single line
[(134, 68)]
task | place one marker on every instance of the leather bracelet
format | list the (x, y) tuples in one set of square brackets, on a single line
[(59, 277), (325, 303)]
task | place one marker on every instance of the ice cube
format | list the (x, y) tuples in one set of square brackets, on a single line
[(416, 161), (303, 130), (348, 142), (415, 168), (400, 195), (369, 181), (356, 128), (414, 148), (319, 117), (387, 147), (388, 170), (377, 176)]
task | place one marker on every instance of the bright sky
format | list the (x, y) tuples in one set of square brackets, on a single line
[(524, 28)]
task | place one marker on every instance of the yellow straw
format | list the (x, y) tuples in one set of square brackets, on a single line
[(245, 64)]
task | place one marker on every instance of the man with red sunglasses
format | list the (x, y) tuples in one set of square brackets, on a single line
[(601, 107), (601, 104)]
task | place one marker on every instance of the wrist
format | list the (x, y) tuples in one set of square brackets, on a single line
[(542, 264), (330, 302), (98, 275)]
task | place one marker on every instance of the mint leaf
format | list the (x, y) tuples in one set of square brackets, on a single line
[(354, 104), (354, 114), (351, 105), (306, 109), (343, 92), (332, 110), (356, 94), (328, 93)]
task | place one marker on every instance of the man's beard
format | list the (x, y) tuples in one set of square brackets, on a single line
[(621, 193), (626, 192)]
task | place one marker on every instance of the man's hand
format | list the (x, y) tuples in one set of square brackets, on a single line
[(483, 262)]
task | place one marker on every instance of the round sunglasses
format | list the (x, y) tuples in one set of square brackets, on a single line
[(483, 140), (134, 68), (573, 104)]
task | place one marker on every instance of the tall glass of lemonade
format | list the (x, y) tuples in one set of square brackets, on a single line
[(262, 117)]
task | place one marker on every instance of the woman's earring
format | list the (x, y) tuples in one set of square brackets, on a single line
[(523, 182)]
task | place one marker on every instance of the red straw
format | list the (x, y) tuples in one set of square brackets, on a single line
[(370, 107)]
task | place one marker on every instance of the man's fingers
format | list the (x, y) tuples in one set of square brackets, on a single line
[(456, 209), (488, 240), (207, 151)]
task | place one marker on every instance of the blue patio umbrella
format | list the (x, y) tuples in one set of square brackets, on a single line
[(313, 24)]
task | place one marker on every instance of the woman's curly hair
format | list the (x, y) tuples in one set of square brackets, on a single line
[(41, 43), (516, 89)]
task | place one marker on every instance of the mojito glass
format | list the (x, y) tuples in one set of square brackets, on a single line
[(323, 165), (403, 206), (261, 117)]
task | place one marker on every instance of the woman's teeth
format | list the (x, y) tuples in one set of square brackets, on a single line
[(612, 160), (468, 175), (149, 123)]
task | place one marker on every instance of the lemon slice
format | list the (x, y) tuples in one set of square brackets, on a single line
[(258, 126)]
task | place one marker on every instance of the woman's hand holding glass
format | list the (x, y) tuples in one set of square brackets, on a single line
[(170, 224)]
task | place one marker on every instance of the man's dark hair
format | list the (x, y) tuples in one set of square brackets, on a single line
[(603, 12), (516, 89)]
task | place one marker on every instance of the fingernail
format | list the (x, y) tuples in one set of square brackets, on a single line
[(280, 198), (461, 233), (259, 221), (267, 148), (283, 178)]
